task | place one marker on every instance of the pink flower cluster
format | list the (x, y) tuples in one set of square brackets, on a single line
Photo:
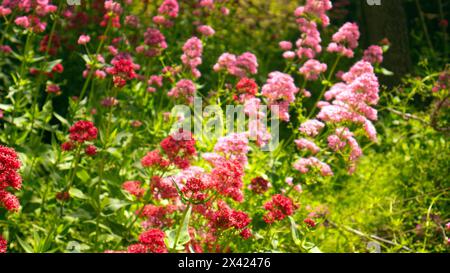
[(352, 99), (233, 146), (311, 69), (32, 21), (305, 144), (345, 40), (373, 55), (315, 9), (342, 138), (309, 43), (280, 90), (206, 30), (192, 55), (154, 41), (304, 164), (443, 82), (311, 127), (239, 66), (257, 129), (184, 89), (168, 10)]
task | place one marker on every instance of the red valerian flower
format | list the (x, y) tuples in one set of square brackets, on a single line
[(278, 208), (259, 185), (154, 159), (227, 178), (83, 131), (9, 200), (3, 244), (137, 248), (225, 218), (134, 188), (123, 69), (67, 146), (163, 188), (179, 148), (9, 177), (246, 233), (247, 88), (153, 239), (157, 216), (62, 196), (90, 150), (309, 222), (58, 68)]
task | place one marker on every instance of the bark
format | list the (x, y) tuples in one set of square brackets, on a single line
[(388, 20)]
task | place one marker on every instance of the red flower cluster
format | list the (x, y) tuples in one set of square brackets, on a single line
[(81, 132), (279, 207), (227, 177), (157, 216), (163, 188), (195, 188), (179, 149), (154, 158), (259, 185), (3, 244), (247, 88), (309, 222), (9, 177), (134, 188), (123, 69), (151, 241), (225, 218)]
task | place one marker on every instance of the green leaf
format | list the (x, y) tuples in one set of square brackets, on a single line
[(6, 107), (386, 72), (83, 175), (61, 119), (74, 192), (294, 231), (116, 204), (184, 233), (25, 245)]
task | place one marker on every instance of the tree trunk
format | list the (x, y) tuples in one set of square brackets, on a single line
[(388, 20)]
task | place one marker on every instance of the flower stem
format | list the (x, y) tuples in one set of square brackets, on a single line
[(333, 68), (183, 218)]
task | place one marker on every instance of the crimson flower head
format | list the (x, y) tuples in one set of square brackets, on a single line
[(151, 241), (259, 185), (62, 196), (278, 208), (3, 244), (123, 69), (227, 178), (9, 178), (225, 217), (134, 188), (83, 131), (309, 222), (179, 148), (90, 150), (154, 159), (247, 88)]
